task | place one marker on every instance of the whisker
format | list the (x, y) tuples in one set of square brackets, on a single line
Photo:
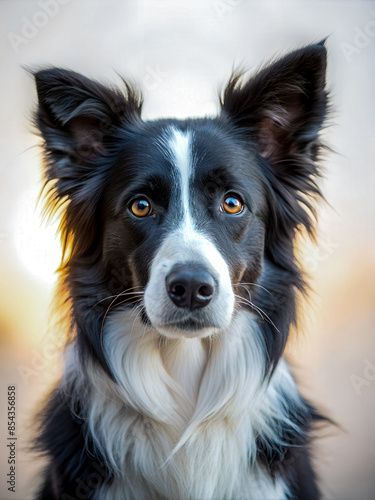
[(136, 300), (258, 310), (261, 313), (146, 329), (252, 284), (140, 308), (109, 308), (124, 292)]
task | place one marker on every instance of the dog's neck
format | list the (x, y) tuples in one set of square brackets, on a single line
[(211, 397), (185, 361)]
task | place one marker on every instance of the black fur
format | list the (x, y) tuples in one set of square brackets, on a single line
[(76, 468), (99, 154)]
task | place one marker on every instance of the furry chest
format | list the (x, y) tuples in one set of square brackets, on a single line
[(215, 464)]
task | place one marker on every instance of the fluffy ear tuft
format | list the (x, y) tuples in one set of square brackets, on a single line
[(80, 111), (77, 118), (281, 111), (284, 105)]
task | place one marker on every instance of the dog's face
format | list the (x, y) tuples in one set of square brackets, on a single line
[(184, 211)]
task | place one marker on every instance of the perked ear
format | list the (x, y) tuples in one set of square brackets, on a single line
[(80, 113), (77, 118), (281, 110)]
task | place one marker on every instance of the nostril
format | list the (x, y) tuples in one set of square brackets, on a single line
[(178, 290), (206, 291)]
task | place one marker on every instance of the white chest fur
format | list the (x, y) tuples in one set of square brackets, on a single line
[(182, 420)]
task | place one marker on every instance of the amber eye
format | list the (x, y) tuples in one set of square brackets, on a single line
[(140, 207), (231, 205)]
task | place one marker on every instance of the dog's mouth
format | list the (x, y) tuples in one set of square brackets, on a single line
[(186, 326), (189, 324), (180, 322)]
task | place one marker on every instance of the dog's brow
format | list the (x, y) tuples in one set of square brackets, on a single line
[(152, 186)]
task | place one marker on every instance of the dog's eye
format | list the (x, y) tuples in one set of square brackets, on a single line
[(140, 207), (232, 205)]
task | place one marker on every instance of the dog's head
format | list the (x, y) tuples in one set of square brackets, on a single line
[(192, 213)]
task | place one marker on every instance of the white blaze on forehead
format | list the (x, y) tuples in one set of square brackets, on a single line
[(179, 144), (186, 242)]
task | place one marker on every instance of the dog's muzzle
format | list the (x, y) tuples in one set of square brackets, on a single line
[(189, 292)]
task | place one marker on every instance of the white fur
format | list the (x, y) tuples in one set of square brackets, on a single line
[(182, 419), (180, 146), (185, 244)]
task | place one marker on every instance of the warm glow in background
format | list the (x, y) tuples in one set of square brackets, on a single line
[(181, 53)]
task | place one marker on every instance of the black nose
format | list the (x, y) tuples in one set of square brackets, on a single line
[(190, 286)]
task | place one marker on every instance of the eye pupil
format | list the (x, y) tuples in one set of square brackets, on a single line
[(232, 202), (140, 207), (232, 205)]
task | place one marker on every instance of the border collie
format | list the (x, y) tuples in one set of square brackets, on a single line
[(179, 282)]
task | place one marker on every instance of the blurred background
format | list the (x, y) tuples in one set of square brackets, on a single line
[(181, 53)]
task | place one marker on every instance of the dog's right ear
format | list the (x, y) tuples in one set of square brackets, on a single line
[(76, 115), (77, 119)]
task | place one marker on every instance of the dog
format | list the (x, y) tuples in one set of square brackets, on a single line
[(179, 284)]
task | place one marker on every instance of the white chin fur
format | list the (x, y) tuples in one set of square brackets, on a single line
[(175, 333)]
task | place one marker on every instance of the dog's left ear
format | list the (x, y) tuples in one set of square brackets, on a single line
[(281, 110), (284, 105)]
